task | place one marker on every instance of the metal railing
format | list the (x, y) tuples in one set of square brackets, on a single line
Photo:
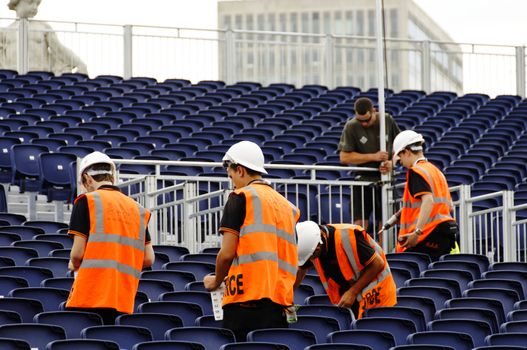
[(269, 57)]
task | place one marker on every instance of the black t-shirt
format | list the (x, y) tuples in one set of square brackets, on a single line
[(233, 214), (329, 262), (417, 185), (80, 215)]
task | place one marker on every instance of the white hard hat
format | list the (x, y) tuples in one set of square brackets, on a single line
[(248, 154), (96, 158), (308, 239), (404, 139)]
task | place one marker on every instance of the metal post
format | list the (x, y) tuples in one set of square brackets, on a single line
[(23, 46), (330, 62), (127, 52), (59, 211), (426, 68), (466, 243), (32, 205), (520, 71), (150, 201), (230, 57), (509, 237), (380, 87)]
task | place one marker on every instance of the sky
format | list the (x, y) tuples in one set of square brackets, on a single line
[(474, 21)]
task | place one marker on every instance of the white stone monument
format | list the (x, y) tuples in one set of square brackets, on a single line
[(45, 52)]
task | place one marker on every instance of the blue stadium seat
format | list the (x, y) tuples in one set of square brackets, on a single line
[(294, 338), (73, 322), (37, 335), (157, 323), (125, 336), (188, 312), (82, 344), (378, 340), (209, 337), (459, 340), (478, 330)]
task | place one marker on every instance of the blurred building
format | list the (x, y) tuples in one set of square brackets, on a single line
[(335, 44)]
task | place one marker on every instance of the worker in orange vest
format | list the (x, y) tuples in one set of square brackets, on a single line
[(111, 243), (351, 265), (258, 255), (426, 225)]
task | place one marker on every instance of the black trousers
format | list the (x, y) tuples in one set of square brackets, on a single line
[(241, 318), (439, 242)]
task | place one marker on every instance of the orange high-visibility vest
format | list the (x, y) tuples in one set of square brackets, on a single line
[(412, 206), (381, 291), (108, 276), (266, 258)]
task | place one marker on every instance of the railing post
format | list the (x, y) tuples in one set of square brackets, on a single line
[(509, 237), (520, 71), (330, 61), (127, 52), (23, 46), (189, 232), (150, 202), (426, 68), (466, 241), (230, 57)]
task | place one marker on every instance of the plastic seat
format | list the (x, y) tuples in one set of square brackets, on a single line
[(8, 283), (73, 322), (42, 247), (470, 266), (6, 239), (426, 305), (82, 344), (60, 253), (498, 283), (50, 298), (179, 279), (37, 335), (174, 252), (19, 254), (423, 260), (462, 277), (255, 346), (320, 326), (154, 288), (61, 238), (125, 336), (12, 218), (25, 232), (294, 338), (9, 317), (26, 169), (438, 294), (169, 345), (375, 339), (514, 327), (449, 284), (478, 330), (414, 315), (202, 257), (479, 314), (343, 316), (458, 340), (515, 275), (58, 282), (188, 312), (507, 339), (422, 347), (400, 328), (198, 269), (208, 321), (58, 266), (157, 323), (209, 337), (481, 260), (200, 298), (506, 296), (33, 275)]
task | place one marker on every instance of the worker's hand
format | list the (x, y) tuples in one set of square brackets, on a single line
[(381, 156), (71, 267), (209, 282), (385, 167), (347, 299), (408, 240)]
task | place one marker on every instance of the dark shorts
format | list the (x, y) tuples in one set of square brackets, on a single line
[(439, 242), (241, 318), (371, 197)]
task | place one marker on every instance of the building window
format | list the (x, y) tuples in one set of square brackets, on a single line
[(238, 22), (394, 23), (339, 24), (316, 22), (371, 22), (327, 22), (282, 22), (360, 22), (249, 22), (227, 22), (294, 22), (349, 23), (271, 19)]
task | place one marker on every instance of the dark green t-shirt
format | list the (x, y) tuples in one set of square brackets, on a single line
[(356, 138)]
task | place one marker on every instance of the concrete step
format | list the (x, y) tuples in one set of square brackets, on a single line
[(18, 203)]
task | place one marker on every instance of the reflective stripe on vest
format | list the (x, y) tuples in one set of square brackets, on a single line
[(265, 264), (411, 206), (100, 236), (350, 263)]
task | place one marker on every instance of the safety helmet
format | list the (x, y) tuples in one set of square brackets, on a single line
[(308, 239), (248, 154), (96, 158), (404, 139)]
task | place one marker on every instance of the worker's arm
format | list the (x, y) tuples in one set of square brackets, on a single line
[(150, 257), (77, 252), (409, 240), (356, 158), (367, 275), (300, 274), (223, 260)]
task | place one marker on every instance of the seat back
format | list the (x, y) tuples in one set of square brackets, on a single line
[(82, 344), (294, 338), (37, 335), (157, 323), (378, 340), (125, 336), (209, 337), (460, 341), (478, 330), (188, 312), (50, 298), (73, 322)]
